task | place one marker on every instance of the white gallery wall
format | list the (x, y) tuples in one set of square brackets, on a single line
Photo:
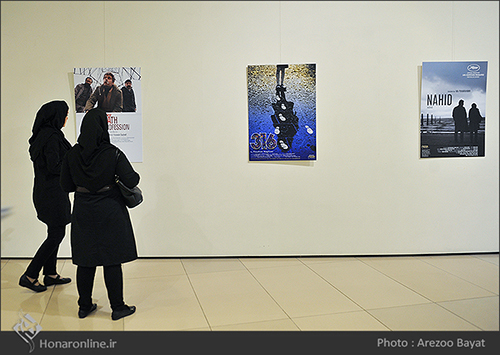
[(368, 192)]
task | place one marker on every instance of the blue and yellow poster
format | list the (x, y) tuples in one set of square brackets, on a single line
[(282, 112)]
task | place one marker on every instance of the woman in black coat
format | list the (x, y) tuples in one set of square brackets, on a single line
[(101, 229), (47, 149)]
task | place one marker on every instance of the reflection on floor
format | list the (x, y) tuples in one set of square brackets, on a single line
[(450, 292)]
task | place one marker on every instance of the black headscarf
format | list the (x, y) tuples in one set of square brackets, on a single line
[(49, 120), (94, 136)]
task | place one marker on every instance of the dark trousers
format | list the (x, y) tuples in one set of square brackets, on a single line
[(46, 255), (461, 135), (113, 278), (473, 136)]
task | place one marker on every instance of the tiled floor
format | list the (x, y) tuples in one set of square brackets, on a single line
[(455, 292)]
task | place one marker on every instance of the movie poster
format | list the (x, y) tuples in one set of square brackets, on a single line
[(453, 109), (118, 92), (282, 112)]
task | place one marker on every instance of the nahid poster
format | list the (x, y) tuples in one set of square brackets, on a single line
[(118, 92), (453, 109), (282, 112)]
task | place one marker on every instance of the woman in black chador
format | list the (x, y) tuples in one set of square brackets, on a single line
[(101, 229), (47, 149)]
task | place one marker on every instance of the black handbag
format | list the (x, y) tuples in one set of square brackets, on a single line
[(132, 196)]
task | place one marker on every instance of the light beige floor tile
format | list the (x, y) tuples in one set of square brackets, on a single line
[(146, 268), (21, 300), (164, 303), (196, 266), (425, 317), (427, 280), (350, 321), (233, 297), (476, 271), (301, 292), (482, 312), (96, 321), (12, 271), (256, 263), (366, 286), (4, 262), (324, 259), (272, 325), (258, 293), (491, 258)]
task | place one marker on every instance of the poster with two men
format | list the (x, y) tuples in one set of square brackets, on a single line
[(453, 109)]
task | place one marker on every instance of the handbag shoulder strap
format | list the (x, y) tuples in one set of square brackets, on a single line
[(117, 178)]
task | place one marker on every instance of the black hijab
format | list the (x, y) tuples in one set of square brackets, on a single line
[(49, 120), (94, 137)]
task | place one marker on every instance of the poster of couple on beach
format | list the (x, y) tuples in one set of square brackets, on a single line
[(453, 109)]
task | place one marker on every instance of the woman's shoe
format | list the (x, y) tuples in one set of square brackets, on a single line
[(123, 313), (82, 313), (49, 281), (25, 282)]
